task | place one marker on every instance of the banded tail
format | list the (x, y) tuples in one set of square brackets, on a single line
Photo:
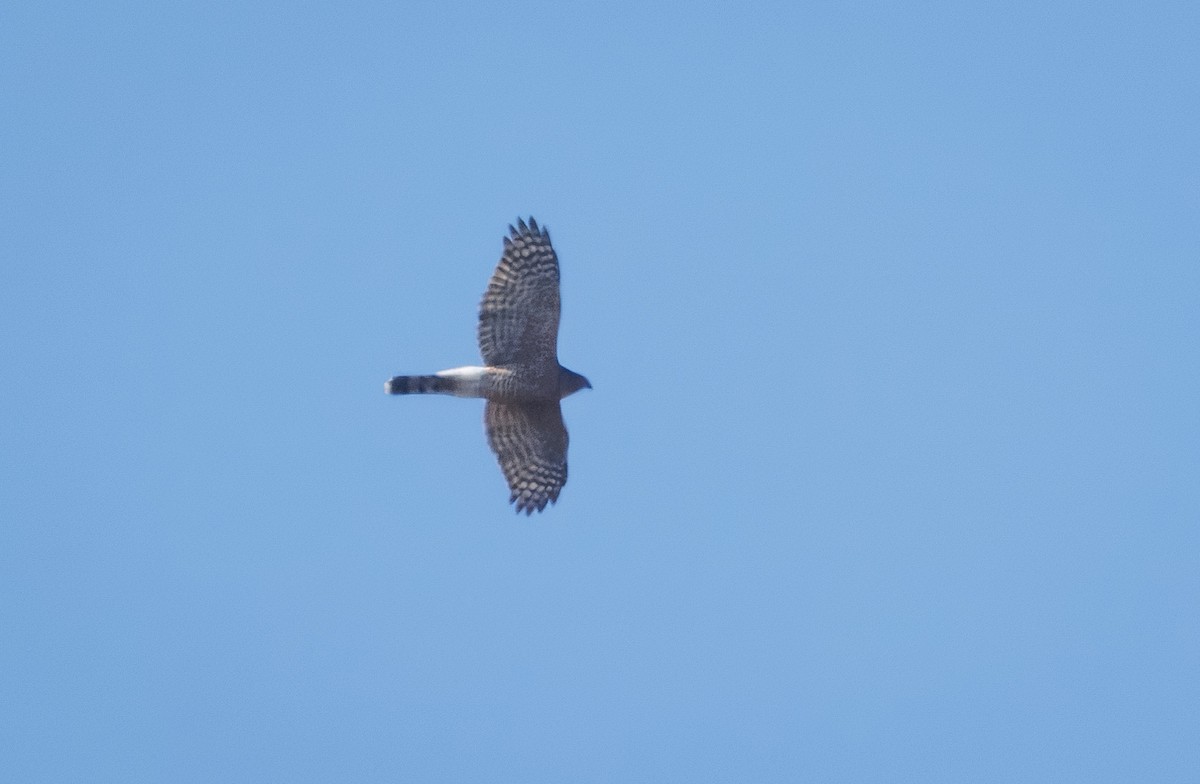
[(461, 382), (420, 385)]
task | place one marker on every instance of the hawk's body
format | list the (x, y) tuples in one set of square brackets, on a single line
[(521, 378)]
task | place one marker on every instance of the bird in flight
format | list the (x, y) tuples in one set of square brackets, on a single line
[(520, 377)]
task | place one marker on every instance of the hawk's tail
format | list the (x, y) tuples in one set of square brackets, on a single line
[(421, 385)]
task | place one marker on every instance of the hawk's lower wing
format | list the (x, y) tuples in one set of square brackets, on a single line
[(530, 442)]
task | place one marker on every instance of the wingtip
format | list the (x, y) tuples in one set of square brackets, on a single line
[(528, 505), (523, 229)]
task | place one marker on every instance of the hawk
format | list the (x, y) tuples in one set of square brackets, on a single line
[(520, 377)]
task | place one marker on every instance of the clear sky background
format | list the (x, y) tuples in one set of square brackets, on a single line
[(891, 468)]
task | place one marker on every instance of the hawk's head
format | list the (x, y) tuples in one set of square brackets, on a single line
[(570, 382)]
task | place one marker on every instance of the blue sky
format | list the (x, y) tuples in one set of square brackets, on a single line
[(889, 472)]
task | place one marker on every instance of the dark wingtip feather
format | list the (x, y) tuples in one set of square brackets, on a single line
[(531, 229), (528, 505)]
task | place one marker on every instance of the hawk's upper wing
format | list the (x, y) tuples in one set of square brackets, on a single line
[(518, 317), (530, 442)]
